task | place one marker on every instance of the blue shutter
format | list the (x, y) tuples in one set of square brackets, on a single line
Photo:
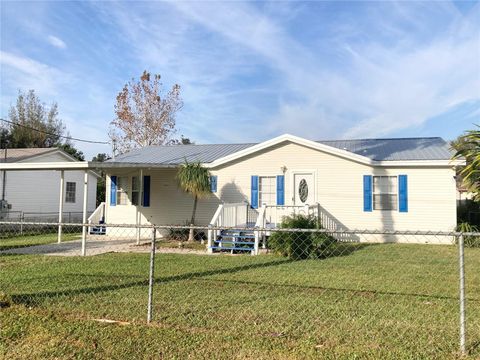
[(254, 192), (402, 193), (146, 191), (367, 192), (113, 190), (280, 190), (213, 183)]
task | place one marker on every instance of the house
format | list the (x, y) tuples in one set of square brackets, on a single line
[(376, 184), (33, 195)]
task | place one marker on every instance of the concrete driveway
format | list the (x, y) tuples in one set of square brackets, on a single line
[(73, 248)]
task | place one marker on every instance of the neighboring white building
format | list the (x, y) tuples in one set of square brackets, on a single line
[(377, 184), (35, 193)]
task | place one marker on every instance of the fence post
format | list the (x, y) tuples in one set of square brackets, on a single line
[(461, 260), (150, 277), (210, 238), (257, 242), (22, 219)]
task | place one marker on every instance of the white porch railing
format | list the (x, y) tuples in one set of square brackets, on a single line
[(267, 216), (274, 214), (97, 216)]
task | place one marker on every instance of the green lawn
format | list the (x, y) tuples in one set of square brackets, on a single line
[(20, 241), (382, 301), (175, 244)]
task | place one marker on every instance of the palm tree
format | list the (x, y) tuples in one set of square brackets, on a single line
[(467, 146), (194, 179)]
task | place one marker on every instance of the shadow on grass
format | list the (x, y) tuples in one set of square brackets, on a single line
[(32, 299), (360, 292)]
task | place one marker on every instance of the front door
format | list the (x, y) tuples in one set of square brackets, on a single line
[(304, 191)]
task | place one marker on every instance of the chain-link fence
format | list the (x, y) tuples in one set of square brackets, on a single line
[(292, 293)]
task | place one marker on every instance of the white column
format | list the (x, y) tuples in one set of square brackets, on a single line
[(84, 218), (140, 203), (60, 206)]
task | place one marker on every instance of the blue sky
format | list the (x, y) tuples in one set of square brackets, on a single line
[(253, 70)]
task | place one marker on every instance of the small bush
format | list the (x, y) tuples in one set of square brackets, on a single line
[(469, 241), (182, 234), (301, 244)]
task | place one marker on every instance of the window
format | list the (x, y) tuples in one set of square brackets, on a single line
[(267, 194), (70, 192), (385, 193), (135, 190), (122, 198)]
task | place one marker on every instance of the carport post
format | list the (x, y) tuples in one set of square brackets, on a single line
[(84, 218), (60, 206), (139, 205)]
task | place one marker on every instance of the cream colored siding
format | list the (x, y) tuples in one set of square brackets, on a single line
[(338, 189), (169, 205)]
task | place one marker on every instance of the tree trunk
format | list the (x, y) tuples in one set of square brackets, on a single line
[(191, 235)]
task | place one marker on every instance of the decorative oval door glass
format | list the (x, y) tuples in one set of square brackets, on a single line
[(303, 190)]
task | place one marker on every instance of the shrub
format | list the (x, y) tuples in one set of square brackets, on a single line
[(468, 211), (182, 234), (469, 241), (299, 245)]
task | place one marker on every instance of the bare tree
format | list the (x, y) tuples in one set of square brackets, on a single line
[(144, 114)]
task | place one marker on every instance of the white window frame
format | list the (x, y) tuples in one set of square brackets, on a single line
[(391, 191), (70, 195), (272, 194), (122, 191)]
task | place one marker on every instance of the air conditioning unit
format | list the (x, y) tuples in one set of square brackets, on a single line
[(4, 208)]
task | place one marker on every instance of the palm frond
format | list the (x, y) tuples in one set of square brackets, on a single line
[(194, 179)]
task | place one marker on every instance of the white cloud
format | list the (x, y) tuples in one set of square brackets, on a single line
[(21, 72), (386, 88), (57, 42)]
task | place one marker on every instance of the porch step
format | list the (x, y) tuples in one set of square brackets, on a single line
[(235, 242), (238, 236), (231, 248), (98, 230)]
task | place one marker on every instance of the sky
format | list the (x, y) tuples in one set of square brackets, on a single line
[(250, 71)]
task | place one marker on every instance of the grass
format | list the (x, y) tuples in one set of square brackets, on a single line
[(20, 241), (175, 244), (380, 301)]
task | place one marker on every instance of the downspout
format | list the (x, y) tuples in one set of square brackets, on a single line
[(4, 181)]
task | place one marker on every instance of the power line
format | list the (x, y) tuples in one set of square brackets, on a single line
[(60, 136)]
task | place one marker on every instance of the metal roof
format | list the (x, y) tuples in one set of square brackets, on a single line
[(178, 154), (432, 148), (426, 148)]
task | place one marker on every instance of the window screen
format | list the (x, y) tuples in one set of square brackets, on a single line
[(267, 191), (122, 184), (70, 192), (385, 193)]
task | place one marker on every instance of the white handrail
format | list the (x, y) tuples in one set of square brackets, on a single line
[(99, 210), (215, 222), (261, 217), (217, 214)]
